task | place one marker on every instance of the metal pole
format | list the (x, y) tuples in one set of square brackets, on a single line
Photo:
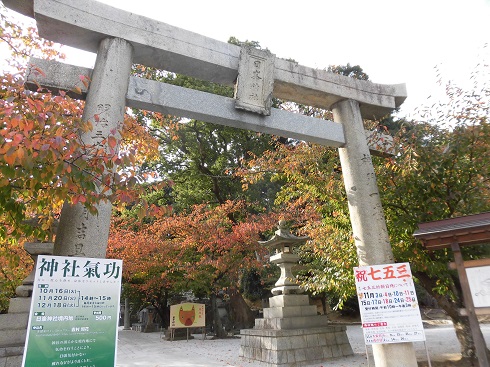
[(367, 355), (427, 351)]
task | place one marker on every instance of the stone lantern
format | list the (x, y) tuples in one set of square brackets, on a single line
[(291, 333), (284, 242)]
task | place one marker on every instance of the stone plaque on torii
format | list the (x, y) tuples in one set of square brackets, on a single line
[(120, 38)]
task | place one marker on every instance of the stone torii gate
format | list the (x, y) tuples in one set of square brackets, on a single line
[(120, 38)]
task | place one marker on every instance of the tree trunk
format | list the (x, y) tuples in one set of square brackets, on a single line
[(461, 326), (219, 332), (162, 309), (240, 312), (461, 323), (324, 302)]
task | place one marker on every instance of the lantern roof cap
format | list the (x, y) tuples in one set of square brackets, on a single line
[(283, 237)]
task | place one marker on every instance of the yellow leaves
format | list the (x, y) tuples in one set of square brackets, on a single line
[(27, 126), (137, 142), (77, 90), (86, 126), (141, 212), (59, 131)]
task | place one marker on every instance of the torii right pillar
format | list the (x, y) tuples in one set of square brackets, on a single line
[(366, 215)]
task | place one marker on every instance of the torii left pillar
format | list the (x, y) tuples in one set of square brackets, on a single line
[(81, 233)]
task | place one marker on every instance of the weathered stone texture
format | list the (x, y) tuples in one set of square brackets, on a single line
[(255, 81), (13, 330), (301, 338), (281, 348), (169, 99), (81, 233), (84, 24)]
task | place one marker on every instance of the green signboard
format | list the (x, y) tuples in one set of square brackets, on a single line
[(74, 313)]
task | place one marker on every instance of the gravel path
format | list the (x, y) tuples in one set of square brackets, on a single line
[(137, 349)]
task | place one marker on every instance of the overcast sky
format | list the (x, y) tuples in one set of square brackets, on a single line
[(394, 41)]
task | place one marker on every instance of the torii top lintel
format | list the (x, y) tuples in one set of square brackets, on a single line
[(83, 24)]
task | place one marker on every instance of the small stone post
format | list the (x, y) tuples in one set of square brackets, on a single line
[(81, 233), (34, 249), (13, 325), (367, 217), (127, 315)]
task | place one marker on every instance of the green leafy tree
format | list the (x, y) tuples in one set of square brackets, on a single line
[(438, 172), (441, 171), (312, 187), (352, 71), (198, 160)]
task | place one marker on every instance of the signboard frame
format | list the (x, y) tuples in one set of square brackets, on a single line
[(187, 315), (74, 314), (479, 282), (388, 304)]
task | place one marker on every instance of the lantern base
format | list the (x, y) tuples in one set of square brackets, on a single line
[(287, 289), (292, 334)]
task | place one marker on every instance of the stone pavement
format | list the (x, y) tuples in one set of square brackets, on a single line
[(137, 349)]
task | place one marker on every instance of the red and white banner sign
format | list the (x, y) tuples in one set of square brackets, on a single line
[(388, 303)]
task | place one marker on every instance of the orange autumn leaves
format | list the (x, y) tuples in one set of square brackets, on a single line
[(42, 161), (202, 248)]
